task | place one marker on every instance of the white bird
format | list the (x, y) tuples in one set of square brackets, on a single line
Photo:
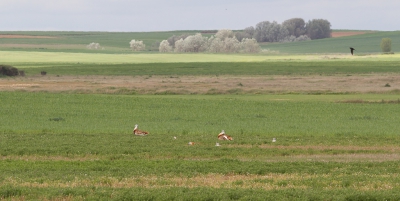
[(217, 144), (273, 139), (174, 137)]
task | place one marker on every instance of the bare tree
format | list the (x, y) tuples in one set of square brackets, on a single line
[(250, 31), (318, 28), (261, 30), (295, 26)]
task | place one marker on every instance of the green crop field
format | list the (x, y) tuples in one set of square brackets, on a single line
[(364, 44), (118, 42), (77, 144), (81, 145)]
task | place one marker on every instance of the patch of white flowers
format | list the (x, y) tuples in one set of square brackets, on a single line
[(94, 46)]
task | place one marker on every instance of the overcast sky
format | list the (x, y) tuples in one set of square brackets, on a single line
[(167, 15)]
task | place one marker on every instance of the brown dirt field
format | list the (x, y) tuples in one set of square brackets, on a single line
[(23, 36), (347, 33), (205, 84), (48, 46)]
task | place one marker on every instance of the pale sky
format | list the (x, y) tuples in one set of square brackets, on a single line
[(168, 15)]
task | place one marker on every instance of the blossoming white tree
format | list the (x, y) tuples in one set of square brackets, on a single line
[(93, 46), (250, 45), (179, 45), (164, 46), (137, 45), (224, 41)]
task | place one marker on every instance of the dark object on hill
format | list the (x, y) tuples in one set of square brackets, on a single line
[(351, 50), (43, 72), (8, 70), (57, 119)]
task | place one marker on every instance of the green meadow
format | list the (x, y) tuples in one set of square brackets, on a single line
[(364, 44), (79, 146)]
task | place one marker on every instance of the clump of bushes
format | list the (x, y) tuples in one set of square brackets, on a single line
[(8, 70)]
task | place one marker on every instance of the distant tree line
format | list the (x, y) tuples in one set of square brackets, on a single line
[(291, 30), (245, 41)]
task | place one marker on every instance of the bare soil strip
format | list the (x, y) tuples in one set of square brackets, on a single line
[(347, 33), (205, 84), (23, 36)]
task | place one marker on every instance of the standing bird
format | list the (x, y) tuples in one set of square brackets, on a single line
[(351, 50), (223, 136), (138, 132)]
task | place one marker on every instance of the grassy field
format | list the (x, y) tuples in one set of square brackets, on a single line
[(364, 44), (113, 42), (334, 116), (80, 145)]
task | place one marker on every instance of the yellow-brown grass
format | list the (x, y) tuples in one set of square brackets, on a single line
[(205, 84), (270, 181)]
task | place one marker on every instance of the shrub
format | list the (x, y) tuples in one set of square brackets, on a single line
[(386, 44), (137, 45), (8, 70), (250, 46), (94, 46)]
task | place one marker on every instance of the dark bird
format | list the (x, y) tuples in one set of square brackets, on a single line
[(351, 50)]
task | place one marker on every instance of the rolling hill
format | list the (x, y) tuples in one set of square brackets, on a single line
[(118, 42), (364, 44)]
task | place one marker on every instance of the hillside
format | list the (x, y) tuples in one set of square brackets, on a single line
[(118, 42), (113, 42), (364, 44)]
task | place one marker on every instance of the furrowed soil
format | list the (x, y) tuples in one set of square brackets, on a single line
[(347, 33), (371, 83)]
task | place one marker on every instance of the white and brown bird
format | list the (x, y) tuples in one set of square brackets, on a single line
[(223, 136), (138, 132)]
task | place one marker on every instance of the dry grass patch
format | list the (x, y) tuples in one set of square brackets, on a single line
[(272, 181), (332, 147), (205, 84), (337, 34)]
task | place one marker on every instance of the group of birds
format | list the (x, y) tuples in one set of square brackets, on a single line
[(221, 136)]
